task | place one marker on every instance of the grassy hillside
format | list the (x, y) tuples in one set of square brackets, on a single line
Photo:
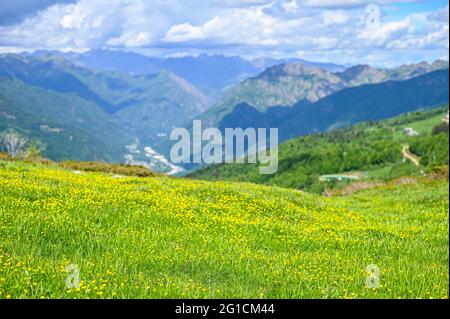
[(370, 150), (73, 113), (62, 125), (159, 237), (112, 91), (146, 105)]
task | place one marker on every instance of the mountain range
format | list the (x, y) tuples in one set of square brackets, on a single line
[(113, 91), (346, 107), (139, 106), (287, 84), (120, 106), (211, 73)]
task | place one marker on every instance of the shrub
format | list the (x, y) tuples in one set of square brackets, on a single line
[(121, 169), (441, 128)]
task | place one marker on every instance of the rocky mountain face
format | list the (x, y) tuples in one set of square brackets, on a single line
[(365, 74), (346, 107), (281, 85), (286, 84)]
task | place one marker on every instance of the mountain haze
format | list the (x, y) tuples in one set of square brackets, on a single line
[(211, 73), (113, 91)]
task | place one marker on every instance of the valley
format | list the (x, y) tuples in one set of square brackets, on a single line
[(102, 112)]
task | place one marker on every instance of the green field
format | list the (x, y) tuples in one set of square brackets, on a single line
[(160, 237)]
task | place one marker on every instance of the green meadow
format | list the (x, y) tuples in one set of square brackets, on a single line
[(160, 237)]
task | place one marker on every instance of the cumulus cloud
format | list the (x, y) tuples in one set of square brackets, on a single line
[(384, 33), (250, 27), (15, 11), (75, 25), (259, 29)]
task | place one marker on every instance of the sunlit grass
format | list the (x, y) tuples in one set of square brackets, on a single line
[(161, 237)]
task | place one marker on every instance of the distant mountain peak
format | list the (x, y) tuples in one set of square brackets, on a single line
[(295, 69), (363, 70), (440, 64), (360, 68)]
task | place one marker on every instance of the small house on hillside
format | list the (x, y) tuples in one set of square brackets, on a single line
[(410, 132)]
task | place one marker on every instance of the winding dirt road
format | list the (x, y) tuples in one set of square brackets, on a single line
[(409, 156)]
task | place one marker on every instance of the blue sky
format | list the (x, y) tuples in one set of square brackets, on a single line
[(319, 30), (406, 8)]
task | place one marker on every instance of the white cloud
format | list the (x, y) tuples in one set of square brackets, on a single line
[(434, 40), (249, 27), (74, 19), (348, 3), (385, 33), (335, 17), (240, 26), (185, 32), (290, 6)]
